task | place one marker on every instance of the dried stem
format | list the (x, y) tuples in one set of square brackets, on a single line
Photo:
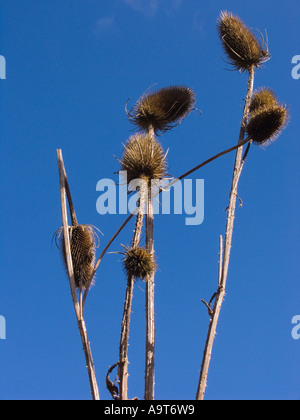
[(76, 303), (214, 314), (238, 166), (71, 205), (150, 315), (123, 351)]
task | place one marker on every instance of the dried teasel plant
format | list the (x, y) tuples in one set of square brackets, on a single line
[(85, 249), (162, 110), (154, 113), (144, 160), (263, 118), (242, 47)]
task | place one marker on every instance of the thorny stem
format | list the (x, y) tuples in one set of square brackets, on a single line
[(123, 350), (218, 296), (77, 306), (238, 166)]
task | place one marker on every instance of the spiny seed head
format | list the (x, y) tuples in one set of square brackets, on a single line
[(242, 47), (143, 157), (83, 246), (139, 263), (266, 123), (263, 98), (162, 109)]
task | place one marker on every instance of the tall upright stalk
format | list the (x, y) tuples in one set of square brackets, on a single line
[(150, 314), (219, 296), (77, 304)]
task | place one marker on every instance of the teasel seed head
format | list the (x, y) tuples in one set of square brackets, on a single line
[(143, 157), (139, 263), (83, 251), (242, 47), (266, 123), (162, 110), (263, 98)]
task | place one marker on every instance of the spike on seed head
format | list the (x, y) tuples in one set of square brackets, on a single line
[(83, 247), (242, 47), (163, 109), (139, 263), (143, 157)]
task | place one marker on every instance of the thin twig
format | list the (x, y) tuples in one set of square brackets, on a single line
[(77, 306), (111, 386), (220, 259)]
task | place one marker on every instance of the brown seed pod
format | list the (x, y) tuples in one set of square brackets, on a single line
[(263, 98), (83, 246), (143, 157), (242, 47), (266, 123), (139, 263), (163, 109)]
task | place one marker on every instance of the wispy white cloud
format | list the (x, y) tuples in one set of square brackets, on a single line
[(104, 25), (148, 7), (151, 7), (176, 4), (198, 23)]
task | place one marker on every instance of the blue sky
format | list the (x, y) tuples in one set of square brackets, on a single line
[(71, 66)]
